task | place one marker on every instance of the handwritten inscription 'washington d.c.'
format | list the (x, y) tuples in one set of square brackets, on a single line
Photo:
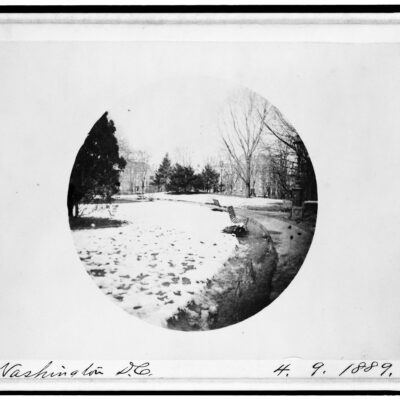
[(50, 370)]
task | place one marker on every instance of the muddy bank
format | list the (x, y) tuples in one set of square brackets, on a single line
[(241, 288), (292, 241)]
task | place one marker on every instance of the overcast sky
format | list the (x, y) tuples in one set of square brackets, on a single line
[(175, 116)]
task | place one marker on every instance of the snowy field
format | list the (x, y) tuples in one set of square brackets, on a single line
[(161, 259), (234, 201)]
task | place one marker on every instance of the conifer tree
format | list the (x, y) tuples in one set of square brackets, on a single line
[(163, 173), (97, 166)]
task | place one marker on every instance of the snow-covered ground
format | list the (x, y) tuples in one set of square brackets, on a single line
[(161, 259), (234, 201)]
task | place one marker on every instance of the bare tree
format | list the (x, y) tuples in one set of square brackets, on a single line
[(242, 132), (137, 168), (141, 168), (228, 175), (281, 170), (261, 173), (287, 135), (127, 176)]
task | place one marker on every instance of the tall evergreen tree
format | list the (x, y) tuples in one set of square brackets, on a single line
[(181, 179), (210, 177), (163, 173), (197, 182), (97, 166)]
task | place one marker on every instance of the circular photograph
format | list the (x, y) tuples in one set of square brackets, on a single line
[(192, 204)]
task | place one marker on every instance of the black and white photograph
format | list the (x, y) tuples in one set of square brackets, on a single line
[(195, 207), (199, 201)]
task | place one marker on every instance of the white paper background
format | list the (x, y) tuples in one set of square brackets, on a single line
[(342, 98)]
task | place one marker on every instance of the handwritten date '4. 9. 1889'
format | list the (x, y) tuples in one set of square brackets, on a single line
[(319, 369)]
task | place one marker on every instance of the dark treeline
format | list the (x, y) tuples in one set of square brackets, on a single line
[(179, 178)]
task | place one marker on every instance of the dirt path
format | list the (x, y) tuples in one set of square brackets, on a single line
[(291, 243)]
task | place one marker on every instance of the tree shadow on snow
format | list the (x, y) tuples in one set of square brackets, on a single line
[(76, 223)]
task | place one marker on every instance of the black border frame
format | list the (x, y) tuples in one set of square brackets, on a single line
[(251, 8), (201, 392)]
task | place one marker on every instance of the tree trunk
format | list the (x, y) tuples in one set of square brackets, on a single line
[(248, 177), (248, 189), (76, 206), (70, 200), (70, 209)]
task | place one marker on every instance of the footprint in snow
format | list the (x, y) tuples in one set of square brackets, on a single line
[(123, 287)]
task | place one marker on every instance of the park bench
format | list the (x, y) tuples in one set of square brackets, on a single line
[(217, 203), (237, 220)]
